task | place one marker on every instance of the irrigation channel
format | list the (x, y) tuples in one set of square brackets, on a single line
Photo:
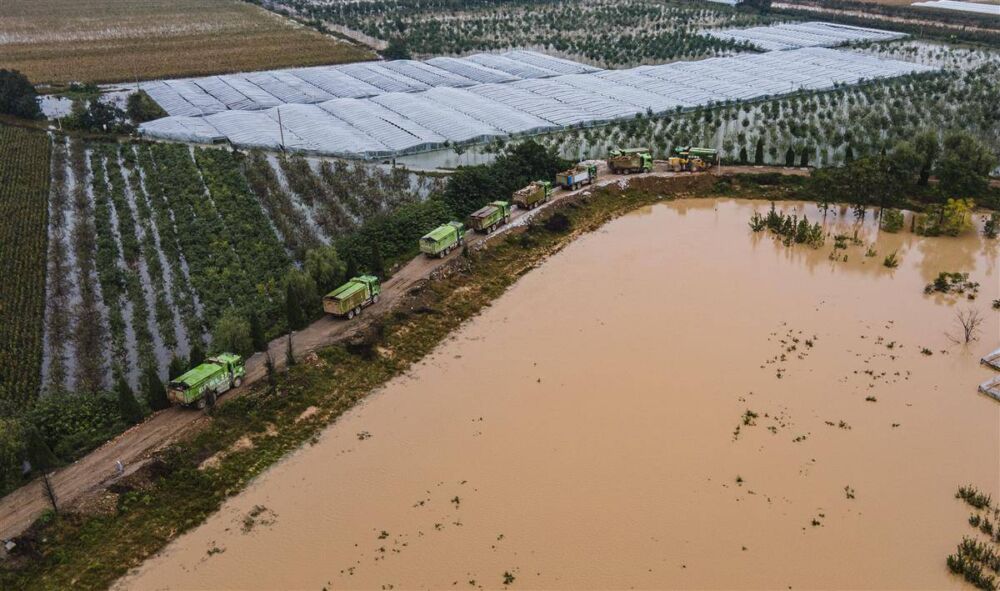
[(667, 395)]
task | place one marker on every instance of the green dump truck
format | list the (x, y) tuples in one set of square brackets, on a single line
[(630, 160), (487, 219), (576, 177), (441, 240), (348, 299), (534, 194), (201, 386)]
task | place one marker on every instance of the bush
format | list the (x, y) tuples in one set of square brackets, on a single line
[(18, 96), (232, 334), (892, 220), (558, 223), (73, 424), (128, 406), (141, 108)]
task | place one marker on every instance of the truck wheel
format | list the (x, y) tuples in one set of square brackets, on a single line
[(238, 382), (200, 405), (211, 396), (375, 299), (350, 314), (357, 311)]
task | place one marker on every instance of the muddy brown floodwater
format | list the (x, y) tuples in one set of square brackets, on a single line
[(582, 432)]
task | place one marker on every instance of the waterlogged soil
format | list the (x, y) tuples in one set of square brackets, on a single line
[(591, 428)]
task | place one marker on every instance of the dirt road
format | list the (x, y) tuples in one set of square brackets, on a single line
[(97, 470)]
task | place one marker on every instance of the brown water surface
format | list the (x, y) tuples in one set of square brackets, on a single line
[(581, 433)]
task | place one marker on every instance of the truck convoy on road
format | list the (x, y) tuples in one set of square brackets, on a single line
[(531, 196), (691, 159), (576, 177), (348, 299), (441, 240), (630, 160), (201, 386), (486, 219)]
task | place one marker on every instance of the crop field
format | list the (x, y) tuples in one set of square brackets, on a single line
[(603, 32), (826, 128), (24, 181), (59, 41), (150, 244)]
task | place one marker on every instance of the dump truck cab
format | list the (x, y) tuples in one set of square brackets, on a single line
[(202, 385), (349, 299), (534, 194), (486, 219), (442, 240)]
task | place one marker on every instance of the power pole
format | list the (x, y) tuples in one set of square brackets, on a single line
[(281, 128), (50, 492)]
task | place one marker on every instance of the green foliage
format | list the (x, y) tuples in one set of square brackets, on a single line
[(891, 261), (141, 108), (73, 424), (892, 220), (18, 96), (790, 228), (991, 226), (396, 49), (964, 166), (472, 187), (128, 406), (96, 116), (176, 367), (11, 453), (949, 219), (558, 223), (197, 355), (153, 390), (392, 237), (257, 336), (325, 267), (301, 299), (232, 334)]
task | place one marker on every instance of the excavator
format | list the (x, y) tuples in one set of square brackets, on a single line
[(692, 159)]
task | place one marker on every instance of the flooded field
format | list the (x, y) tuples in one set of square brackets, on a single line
[(670, 402)]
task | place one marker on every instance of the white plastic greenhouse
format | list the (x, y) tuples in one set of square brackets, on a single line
[(389, 109), (798, 35)]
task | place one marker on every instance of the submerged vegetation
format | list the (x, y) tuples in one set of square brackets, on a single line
[(977, 560)]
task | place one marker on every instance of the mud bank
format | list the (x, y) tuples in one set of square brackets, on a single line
[(672, 401)]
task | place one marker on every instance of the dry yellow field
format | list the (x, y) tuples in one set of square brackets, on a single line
[(59, 41)]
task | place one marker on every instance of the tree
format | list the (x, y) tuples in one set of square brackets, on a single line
[(926, 145), (12, 444), (289, 352), (964, 167), (232, 334), (176, 368), (907, 162), (96, 115), (790, 157), (141, 108), (849, 154), (758, 155), (155, 393), (18, 96), (37, 451), (325, 267), (197, 355), (272, 374), (396, 49), (804, 157), (257, 336), (743, 155), (128, 406), (301, 299)]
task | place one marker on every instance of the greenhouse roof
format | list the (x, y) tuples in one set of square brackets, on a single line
[(798, 35), (348, 110)]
